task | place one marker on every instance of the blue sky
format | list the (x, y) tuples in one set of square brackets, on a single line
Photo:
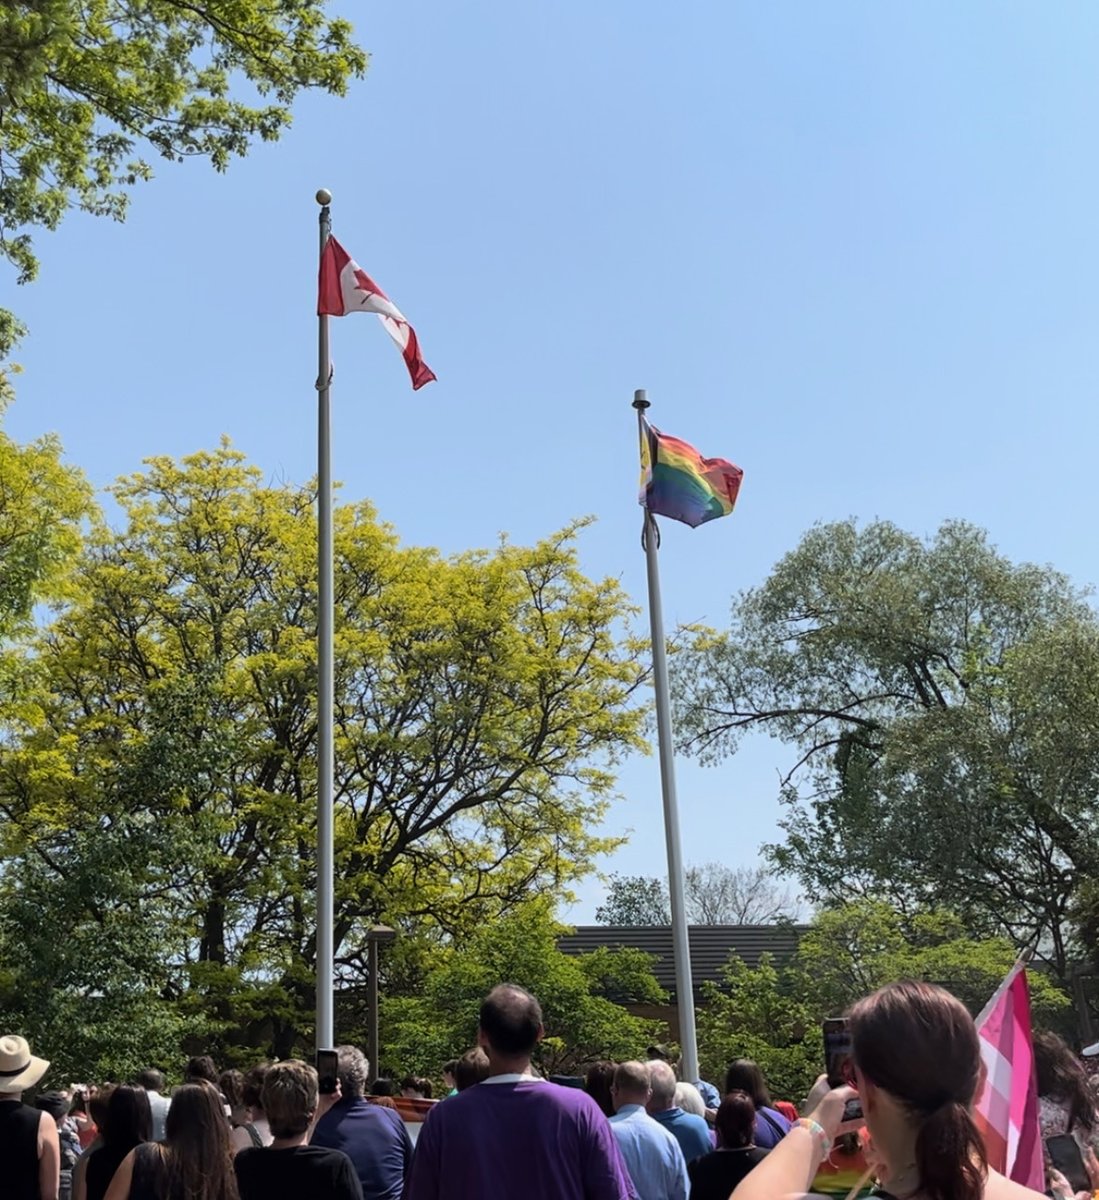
[(851, 246)]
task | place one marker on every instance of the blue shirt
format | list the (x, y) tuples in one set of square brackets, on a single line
[(375, 1140), (691, 1132), (711, 1097), (653, 1157)]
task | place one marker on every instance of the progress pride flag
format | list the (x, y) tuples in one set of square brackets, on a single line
[(1006, 1110)]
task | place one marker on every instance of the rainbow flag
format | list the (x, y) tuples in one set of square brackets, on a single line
[(677, 482)]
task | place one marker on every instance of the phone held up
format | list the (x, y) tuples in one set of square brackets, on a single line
[(1065, 1155), (328, 1071), (838, 1065)]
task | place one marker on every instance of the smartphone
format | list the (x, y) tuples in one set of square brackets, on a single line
[(837, 1061), (328, 1071), (1065, 1155)]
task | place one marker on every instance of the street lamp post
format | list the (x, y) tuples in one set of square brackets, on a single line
[(376, 936)]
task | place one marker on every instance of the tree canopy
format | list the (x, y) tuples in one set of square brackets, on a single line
[(159, 775), (43, 505), (580, 997), (772, 1013), (940, 703), (714, 894), (90, 88)]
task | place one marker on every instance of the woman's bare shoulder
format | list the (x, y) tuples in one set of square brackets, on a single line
[(1000, 1188)]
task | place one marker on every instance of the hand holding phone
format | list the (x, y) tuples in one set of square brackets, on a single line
[(328, 1071), (1064, 1154), (839, 1063)]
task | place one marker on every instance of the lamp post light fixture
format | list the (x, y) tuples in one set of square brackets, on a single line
[(376, 935)]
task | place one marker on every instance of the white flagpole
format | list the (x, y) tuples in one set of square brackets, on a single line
[(684, 985), (325, 949)]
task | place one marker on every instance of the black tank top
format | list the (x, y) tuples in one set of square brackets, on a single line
[(19, 1151)]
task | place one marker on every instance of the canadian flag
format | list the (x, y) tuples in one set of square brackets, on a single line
[(344, 287)]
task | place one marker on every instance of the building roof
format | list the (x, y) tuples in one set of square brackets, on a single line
[(710, 945)]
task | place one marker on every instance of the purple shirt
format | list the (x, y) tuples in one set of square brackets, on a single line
[(517, 1141)]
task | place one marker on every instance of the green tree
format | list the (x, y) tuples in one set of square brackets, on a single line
[(760, 1013), (577, 994), (634, 900), (772, 1013), (482, 703), (852, 950), (713, 893), (88, 88), (43, 505), (941, 707)]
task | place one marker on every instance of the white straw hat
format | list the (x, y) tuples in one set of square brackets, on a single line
[(19, 1069)]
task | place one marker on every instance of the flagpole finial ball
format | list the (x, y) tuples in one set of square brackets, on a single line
[(324, 196)]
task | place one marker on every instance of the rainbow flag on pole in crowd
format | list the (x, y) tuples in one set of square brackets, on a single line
[(1006, 1111), (677, 482)]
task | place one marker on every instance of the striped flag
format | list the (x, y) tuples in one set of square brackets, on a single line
[(1006, 1111), (344, 287)]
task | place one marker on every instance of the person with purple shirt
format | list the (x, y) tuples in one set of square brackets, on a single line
[(515, 1136)]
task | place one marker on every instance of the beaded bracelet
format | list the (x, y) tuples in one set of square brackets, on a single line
[(824, 1142)]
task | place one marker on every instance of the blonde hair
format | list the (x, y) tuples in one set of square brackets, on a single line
[(289, 1097)]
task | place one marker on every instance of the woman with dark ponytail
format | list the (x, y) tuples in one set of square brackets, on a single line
[(917, 1066)]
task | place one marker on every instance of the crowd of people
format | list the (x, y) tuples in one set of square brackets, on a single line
[(624, 1131)]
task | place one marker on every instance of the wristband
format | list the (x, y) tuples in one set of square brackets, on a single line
[(824, 1142)]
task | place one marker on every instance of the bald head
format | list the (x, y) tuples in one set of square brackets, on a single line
[(511, 1022), (662, 1081), (630, 1084)]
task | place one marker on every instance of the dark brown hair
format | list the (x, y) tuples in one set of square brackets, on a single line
[(597, 1083), (745, 1076), (1061, 1077), (416, 1083), (231, 1086), (471, 1068), (919, 1044), (252, 1090), (196, 1158), (99, 1107), (129, 1119), (200, 1067), (735, 1121)]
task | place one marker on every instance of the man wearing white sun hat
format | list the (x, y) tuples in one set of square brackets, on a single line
[(30, 1156)]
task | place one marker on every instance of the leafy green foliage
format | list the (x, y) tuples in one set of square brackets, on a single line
[(582, 1023), (941, 706), (88, 88), (634, 900), (773, 1013), (760, 1013), (482, 703), (43, 504), (713, 894)]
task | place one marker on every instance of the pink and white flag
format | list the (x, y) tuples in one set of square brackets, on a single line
[(1006, 1111), (344, 287)]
